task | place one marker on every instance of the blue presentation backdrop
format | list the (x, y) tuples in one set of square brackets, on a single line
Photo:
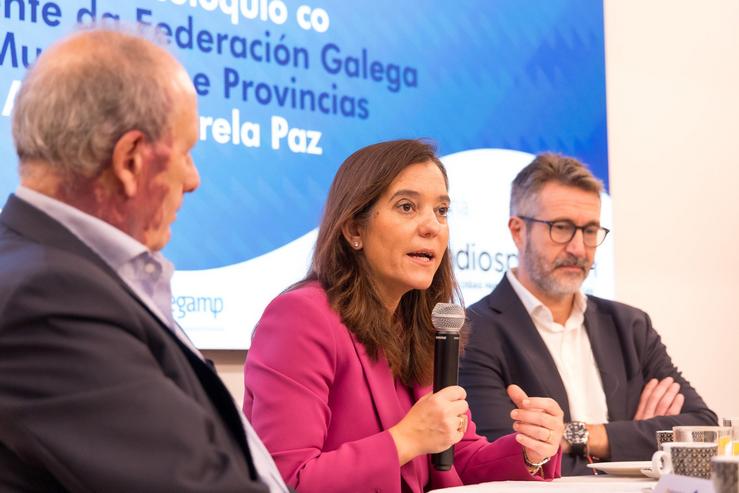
[(289, 89)]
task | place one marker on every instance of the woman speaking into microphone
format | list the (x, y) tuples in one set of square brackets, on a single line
[(338, 376)]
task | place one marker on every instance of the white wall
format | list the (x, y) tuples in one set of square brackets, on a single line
[(673, 123), (673, 113)]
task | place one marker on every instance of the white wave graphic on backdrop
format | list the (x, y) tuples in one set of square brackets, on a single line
[(246, 289)]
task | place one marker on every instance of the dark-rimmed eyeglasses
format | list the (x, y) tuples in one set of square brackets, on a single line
[(563, 231)]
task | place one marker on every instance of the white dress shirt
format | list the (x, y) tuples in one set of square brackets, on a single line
[(148, 274), (570, 348)]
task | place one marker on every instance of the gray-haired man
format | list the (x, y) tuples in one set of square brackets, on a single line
[(99, 388)]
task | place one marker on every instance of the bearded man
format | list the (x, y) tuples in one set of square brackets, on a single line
[(602, 361)]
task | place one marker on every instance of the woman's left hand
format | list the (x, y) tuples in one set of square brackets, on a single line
[(539, 422)]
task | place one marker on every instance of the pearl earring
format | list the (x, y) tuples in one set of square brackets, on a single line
[(356, 244)]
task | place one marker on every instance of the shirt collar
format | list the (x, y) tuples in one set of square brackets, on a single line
[(538, 310), (110, 243)]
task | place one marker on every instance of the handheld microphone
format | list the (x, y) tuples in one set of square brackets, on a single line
[(447, 319)]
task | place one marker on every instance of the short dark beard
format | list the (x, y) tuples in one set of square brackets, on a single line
[(544, 278)]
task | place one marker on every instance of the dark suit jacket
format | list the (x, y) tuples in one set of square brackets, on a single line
[(505, 348), (95, 393)]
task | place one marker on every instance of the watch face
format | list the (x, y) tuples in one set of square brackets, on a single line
[(576, 432)]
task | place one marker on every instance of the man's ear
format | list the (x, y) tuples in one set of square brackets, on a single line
[(128, 161), (352, 234), (517, 227)]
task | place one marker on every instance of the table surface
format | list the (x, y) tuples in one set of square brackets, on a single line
[(574, 484)]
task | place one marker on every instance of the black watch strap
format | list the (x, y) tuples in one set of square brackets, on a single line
[(576, 433), (578, 449)]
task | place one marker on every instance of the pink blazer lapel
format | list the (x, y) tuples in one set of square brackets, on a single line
[(381, 384)]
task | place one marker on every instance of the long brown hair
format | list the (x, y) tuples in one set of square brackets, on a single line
[(406, 337)]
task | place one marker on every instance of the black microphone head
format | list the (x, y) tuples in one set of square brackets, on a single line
[(447, 317)]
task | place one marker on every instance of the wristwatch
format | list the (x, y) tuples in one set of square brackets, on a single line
[(576, 433)]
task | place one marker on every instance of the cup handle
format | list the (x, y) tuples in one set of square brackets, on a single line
[(659, 464)]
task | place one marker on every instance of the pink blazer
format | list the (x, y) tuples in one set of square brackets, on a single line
[(322, 407)]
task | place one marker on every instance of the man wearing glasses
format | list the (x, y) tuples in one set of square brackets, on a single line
[(602, 361)]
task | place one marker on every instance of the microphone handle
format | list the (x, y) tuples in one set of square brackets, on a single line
[(446, 367)]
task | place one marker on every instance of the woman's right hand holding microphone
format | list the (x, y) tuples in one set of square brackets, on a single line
[(434, 423)]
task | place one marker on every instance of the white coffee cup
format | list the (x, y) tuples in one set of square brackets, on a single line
[(664, 436), (685, 459)]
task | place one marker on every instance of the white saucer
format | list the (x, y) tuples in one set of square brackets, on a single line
[(631, 468), (647, 471)]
